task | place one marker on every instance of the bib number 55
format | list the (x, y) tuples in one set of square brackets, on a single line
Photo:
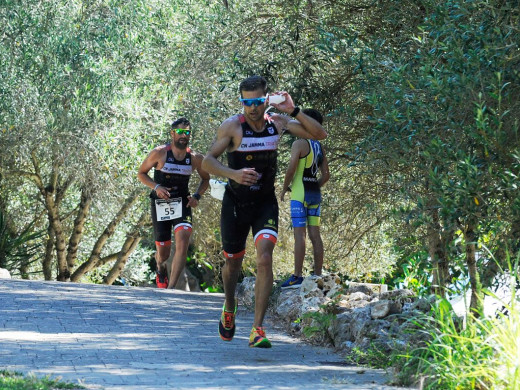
[(167, 210)]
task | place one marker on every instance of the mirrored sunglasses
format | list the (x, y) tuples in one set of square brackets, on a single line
[(257, 101), (182, 131)]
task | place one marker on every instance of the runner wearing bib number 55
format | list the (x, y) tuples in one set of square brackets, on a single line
[(171, 201)]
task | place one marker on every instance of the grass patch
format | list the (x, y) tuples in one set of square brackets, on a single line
[(485, 354), (372, 357), (17, 381)]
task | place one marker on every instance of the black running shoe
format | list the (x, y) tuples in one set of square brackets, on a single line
[(226, 325)]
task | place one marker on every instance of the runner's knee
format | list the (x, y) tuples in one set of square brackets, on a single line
[(234, 260), (264, 260), (266, 235), (163, 251)]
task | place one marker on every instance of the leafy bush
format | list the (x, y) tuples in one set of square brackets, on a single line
[(485, 354), (17, 249), (372, 357), (317, 323)]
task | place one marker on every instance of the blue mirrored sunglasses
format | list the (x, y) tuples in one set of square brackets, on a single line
[(257, 101)]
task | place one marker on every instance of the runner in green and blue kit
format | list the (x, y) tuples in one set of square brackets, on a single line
[(307, 160)]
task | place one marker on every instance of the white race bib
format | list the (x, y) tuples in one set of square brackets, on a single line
[(167, 210)]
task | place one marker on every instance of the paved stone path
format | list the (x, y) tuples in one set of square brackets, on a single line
[(110, 337)]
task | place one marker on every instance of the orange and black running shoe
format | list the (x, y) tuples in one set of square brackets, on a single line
[(258, 339), (226, 325), (161, 280)]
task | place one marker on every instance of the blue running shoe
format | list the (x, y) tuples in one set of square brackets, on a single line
[(293, 282)]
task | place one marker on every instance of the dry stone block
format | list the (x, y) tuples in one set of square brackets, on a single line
[(289, 305), (376, 288), (350, 325), (397, 294), (423, 305), (348, 304), (329, 283), (384, 308), (358, 296), (246, 292), (310, 289), (4, 274), (380, 309), (320, 286), (312, 304)]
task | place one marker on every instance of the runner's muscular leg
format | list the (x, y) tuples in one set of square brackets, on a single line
[(230, 274), (299, 249), (182, 241), (317, 248), (264, 278), (162, 254)]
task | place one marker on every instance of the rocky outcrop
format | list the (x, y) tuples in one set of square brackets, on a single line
[(347, 316), (4, 274)]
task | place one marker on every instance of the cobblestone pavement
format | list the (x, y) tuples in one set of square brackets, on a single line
[(112, 337)]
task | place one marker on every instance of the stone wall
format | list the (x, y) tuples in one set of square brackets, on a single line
[(326, 311)]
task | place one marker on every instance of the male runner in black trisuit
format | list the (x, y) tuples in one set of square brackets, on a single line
[(251, 142), (171, 202)]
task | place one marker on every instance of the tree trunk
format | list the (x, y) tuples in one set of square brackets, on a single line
[(128, 248), (515, 238), (59, 244), (93, 260), (474, 277), (47, 260), (77, 231), (49, 192), (438, 255), (107, 259)]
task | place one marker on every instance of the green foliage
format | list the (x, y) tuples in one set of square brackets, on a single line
[(481, 355), (203, 270), (372, 357), (419, 101), (17, 381), (443, 124), (319, 324), (18, 250), (316, 323), (412, 273)]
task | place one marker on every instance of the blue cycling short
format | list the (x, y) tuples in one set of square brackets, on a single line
[(303, 214)]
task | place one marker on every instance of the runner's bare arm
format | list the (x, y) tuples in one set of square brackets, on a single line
[(156, 160), (204, 178), (227, 136), (302, 126), (324, 169), (151, 161), (306, 127), (296, 151)]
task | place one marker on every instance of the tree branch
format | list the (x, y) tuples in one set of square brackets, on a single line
[(109, 231)]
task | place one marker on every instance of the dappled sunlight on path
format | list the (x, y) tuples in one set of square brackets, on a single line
[(144, 338)]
